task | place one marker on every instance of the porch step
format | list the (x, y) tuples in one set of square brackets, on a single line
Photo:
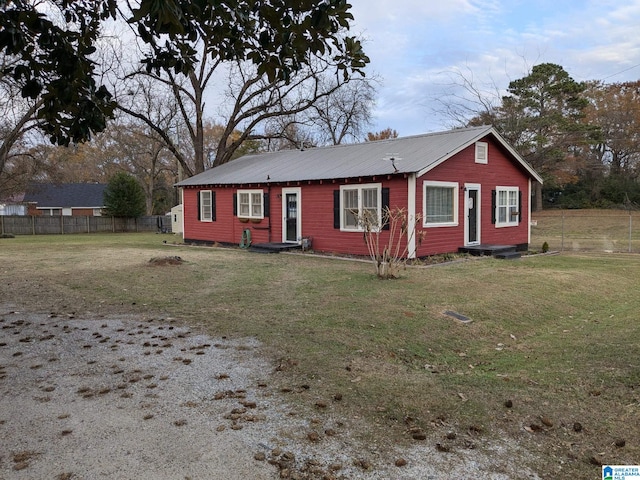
[(273, 247)]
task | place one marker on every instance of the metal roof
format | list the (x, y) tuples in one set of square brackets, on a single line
[(416, 154)]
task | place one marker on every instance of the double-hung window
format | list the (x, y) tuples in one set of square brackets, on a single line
[(206, 206), (440, 204), (250, 204), (507, 206), (360, 203)]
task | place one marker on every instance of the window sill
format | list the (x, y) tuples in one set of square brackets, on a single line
[(439, 225)]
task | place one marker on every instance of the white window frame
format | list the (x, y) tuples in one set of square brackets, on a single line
[(482, 152), (256, 208), (432, 183), (359, 188), (204, 217), (512, 215)]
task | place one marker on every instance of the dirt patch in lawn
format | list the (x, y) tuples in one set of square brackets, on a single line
[(163, 261)]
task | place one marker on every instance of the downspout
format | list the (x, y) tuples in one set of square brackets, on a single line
[(411, 211)]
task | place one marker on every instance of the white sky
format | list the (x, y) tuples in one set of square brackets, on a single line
[(419, 47)]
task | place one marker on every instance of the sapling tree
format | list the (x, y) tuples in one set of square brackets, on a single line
[(391, 256)]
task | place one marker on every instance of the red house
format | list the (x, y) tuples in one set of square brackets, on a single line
[(469, 187)]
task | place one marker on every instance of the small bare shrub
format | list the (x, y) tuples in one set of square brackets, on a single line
[(390, 257)]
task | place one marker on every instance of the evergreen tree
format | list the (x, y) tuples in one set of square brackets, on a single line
[(543, 118), (124, 197)]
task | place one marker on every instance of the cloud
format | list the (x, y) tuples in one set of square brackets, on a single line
[(418, 46)]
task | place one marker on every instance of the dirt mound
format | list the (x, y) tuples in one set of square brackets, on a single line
[(162, 261)]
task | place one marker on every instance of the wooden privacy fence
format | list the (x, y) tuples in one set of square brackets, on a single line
[(56, 225)]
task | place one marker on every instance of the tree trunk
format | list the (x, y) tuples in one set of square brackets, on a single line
[(537, 206)]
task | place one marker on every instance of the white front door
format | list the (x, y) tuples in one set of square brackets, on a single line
[(291, 218), (471, 214)]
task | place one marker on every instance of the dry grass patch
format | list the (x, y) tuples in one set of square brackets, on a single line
[(552, 343)]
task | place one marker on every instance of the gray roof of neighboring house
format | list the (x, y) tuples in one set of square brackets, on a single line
[(416, 154), (66, 195)]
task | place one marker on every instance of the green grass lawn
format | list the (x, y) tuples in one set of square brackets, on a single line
[(555, 336)]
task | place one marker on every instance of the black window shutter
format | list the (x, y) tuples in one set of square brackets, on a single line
[(213, 206), (336, 209), (199, 209), (385, 205), (266, 207), (235, 204), (493, 206), (519, 206)]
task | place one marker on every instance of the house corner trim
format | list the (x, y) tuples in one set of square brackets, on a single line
[(411, 212)]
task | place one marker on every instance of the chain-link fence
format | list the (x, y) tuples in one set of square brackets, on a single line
[(52, 225), (586, 230)]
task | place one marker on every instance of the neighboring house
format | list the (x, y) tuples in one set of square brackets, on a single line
[(13, 205), (468, 186), (68, 199)]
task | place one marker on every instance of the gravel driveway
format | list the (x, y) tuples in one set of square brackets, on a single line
[(124, 397)]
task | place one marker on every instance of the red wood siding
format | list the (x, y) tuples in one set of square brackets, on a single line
[(316, 215), (461, 168), (316, 208), (228, 228)]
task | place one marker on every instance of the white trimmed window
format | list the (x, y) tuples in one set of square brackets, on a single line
[(440, 204), (206, 206), (250, 204), (482, 152), (507, 206), (360, 201)]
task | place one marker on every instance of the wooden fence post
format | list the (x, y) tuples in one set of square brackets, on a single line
[(562, 234), (630, 230)]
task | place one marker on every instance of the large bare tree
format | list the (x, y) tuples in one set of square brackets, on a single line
[(250, 106), (615, 109), (345, 114), (17, 120)]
